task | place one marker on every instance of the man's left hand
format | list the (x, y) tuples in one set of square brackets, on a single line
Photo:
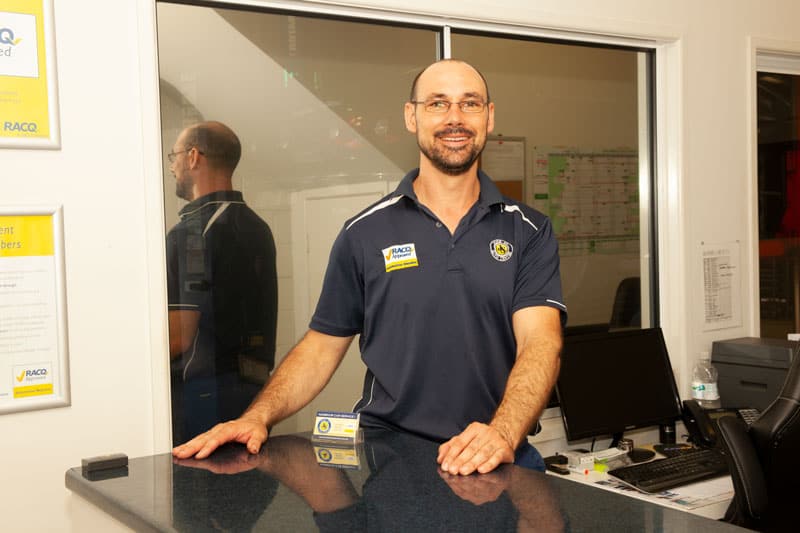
[(480, 448)]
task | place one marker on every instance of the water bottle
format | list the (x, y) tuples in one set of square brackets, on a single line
[(704, 383)]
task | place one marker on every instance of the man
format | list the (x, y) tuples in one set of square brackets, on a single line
[(222, 285), (454, 290)]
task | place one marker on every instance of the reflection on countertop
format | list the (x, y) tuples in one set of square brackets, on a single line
[(391, 483)]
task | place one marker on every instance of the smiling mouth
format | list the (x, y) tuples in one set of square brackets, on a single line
[(454, 136)]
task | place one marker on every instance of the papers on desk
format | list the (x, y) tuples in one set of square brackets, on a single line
[(686, 497)]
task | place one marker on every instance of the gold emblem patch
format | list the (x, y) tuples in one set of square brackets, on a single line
[(501, 250)]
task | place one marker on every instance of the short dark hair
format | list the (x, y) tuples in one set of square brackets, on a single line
[(413, 95), (217, 142)]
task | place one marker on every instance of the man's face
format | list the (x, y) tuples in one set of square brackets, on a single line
[(453, 140), (184, 183)]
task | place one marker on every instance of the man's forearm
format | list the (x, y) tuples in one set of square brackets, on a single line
[(526, 395), (529, 384), (183, 326), (302, 374)]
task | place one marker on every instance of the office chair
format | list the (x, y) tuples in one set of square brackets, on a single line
[(626, 312), (764, 460)]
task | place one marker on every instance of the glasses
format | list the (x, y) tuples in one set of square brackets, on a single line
[(172, 155), (443, 106)]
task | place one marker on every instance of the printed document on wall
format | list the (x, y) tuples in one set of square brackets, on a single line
[(33, 371), (722, 289)]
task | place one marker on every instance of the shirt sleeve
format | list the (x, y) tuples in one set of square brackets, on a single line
[(187, 271), (340, 310), (539, 278)]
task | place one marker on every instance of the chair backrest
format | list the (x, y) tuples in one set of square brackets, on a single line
[(627, 310), (765, 461), (776, 436)]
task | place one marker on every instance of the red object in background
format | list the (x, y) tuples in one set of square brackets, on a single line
[(771, 248), (790, 223)]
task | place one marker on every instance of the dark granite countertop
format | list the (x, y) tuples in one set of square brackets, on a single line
[(390, 483)]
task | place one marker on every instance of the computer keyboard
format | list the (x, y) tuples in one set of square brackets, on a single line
[(663, 474)]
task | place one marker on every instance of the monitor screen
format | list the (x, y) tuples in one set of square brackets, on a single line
[(581, 329), (612, 382)]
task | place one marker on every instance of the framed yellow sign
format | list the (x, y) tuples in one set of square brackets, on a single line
[(28, 88), (34, 373)]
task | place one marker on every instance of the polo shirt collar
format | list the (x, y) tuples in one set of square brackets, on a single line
[(214, 197), (489, 195)]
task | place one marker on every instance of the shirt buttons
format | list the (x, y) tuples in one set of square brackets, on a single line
[(438, 224)]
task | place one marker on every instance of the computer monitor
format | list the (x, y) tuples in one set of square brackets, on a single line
[(580, 329), (616, 381)]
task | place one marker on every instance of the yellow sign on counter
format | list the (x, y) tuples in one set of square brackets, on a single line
[(336, 426)]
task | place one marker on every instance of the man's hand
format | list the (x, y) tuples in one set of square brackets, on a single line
[(480, 448), (250, 432), (235, 461)]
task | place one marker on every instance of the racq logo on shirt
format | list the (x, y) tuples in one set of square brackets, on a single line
[(400, 256)]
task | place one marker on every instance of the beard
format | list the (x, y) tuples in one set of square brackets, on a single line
[(451, 161), (183, 188)]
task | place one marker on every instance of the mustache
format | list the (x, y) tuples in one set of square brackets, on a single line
[(459, 130)]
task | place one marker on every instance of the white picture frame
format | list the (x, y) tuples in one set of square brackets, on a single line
[(34, 362), (28, 76)]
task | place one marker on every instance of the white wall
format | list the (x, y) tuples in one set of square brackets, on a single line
[(107, 176), (100, 176)]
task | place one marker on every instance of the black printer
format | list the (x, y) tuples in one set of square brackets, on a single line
[(752, 370)]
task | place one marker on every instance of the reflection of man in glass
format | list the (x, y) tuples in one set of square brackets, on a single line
[(222, 285)]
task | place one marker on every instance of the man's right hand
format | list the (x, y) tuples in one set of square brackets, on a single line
[(243, 430)]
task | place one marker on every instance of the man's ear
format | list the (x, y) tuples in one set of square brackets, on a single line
[(194, 158), (409, 111), (490, 123)]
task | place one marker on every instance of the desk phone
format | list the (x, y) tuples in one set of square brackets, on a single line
[(702, 423)]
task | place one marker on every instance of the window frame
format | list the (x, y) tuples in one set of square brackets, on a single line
[(766, 56)]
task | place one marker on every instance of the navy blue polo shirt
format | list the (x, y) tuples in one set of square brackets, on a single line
[(434, 309)]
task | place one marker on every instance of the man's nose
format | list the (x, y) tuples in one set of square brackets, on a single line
[(454, 114)]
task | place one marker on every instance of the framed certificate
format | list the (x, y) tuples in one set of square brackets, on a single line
[(28, 82), (34, 373)]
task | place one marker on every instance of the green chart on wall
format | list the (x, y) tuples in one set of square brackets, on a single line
[(591, 196)]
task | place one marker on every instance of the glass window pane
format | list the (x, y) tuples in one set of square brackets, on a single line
[(576, 111), (778, 203), (320, 120)]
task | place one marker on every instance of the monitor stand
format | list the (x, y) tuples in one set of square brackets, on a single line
[(637, 455)]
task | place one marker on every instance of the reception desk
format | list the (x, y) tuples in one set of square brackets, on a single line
[(390, 483)]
